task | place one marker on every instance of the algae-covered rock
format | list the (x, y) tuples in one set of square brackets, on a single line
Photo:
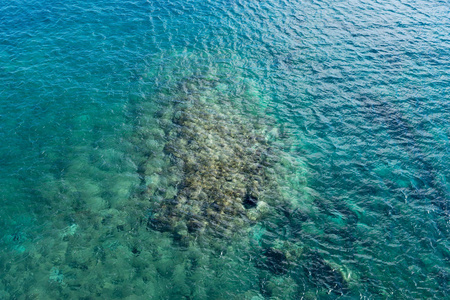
[(223, 161)]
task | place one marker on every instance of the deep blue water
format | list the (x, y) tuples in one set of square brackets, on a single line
[(360, 88)]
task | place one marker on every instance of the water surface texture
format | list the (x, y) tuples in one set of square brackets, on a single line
[(224, 149)]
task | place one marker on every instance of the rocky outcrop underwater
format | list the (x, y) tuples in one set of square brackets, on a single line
[(222, 162)]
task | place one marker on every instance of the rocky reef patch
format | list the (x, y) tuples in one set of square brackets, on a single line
[(222, 161)]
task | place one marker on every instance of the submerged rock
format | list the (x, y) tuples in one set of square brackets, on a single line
[(323, 275), (222, 161), (280, 257), (276, 261)]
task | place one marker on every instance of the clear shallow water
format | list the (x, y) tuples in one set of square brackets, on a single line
[(359, 91)]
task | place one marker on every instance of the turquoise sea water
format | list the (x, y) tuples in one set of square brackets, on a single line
[(224, 149)]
